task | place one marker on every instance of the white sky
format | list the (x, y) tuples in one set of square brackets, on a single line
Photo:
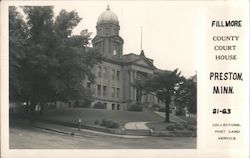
[(169, 29)]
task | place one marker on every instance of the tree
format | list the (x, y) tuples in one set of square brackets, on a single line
[(17, 48), (186, 95), (54, 63), (162, 84)]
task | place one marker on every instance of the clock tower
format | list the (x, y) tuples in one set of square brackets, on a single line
[(107, 39)]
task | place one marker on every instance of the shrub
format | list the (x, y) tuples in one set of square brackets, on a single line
[(191, 128), (103, 122), (185, 125), (112, 124), (180, 113), (155, 106), (179, 126), (109, 123), (100, 105), (85, 105), (135, 107), (77, 103), (82, 103), (162, 109), (170, 127), (96, 122)]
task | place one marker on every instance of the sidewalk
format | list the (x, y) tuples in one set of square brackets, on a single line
[(136, 126)]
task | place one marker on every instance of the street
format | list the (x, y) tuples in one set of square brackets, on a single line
[(23, 136)]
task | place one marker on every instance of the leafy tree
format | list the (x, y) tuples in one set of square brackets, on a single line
[(17, 48), (53, 62), (162, 84), (186, 96)]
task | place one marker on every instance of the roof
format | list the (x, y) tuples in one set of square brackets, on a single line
[(131, 59), (108, 16)]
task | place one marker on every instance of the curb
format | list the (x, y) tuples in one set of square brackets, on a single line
[(54, 130), (84, 130), (111, 132), (125, 134), (173, 134), (84, 126)]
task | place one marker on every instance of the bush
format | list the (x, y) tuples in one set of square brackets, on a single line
[(162, 109), (77, 103), (85, 105), (179, 126), (155, 106), (103, 122), (170, 127), (112, 124), (185, 125), (180, 113), (135, 107), (100, 105), (191, 128), (96, 122), (109, 123), (82, 103)]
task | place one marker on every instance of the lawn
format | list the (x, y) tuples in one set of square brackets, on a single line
[(161, 125), (88, 116), (189, 119)]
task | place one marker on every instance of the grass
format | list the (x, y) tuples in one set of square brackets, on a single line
[(158, 126), (88, 116), (161, 126), (188, 119)]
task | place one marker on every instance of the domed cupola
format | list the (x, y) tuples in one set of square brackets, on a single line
[(107, 24), (108, 16), (107, 38)]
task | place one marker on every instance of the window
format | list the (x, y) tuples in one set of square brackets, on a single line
[(88, 85), (98, 46), (99, 71), (118, 106), (99, 90), (115, 45), (104, 91), (117, 92), (113, 106), (118, 75), (107, 31), (113, 92), (105, 72), (105, 105), (113, 74)]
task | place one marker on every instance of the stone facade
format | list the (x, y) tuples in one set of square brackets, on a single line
[(116, 74)]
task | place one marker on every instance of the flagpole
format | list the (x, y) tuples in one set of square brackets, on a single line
[(141, 38)]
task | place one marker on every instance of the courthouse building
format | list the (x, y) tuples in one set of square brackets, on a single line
[(117, 72)]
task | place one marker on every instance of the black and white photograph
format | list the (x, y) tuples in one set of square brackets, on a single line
[(103, 75), (119, 79)]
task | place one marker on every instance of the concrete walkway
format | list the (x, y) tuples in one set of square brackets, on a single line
[(136, 126)]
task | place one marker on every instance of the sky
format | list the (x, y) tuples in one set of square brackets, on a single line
[(169, 29)]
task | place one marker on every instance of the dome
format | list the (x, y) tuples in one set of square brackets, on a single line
[(108, 17)]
